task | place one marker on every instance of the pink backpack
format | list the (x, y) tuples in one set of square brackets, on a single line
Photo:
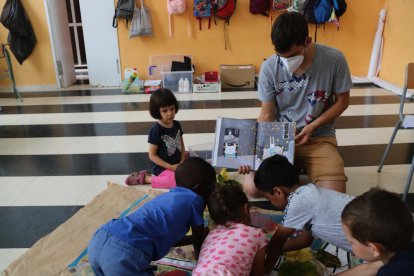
[(177, 7)]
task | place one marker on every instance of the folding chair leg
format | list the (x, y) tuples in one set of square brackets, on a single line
[(407, 184), (397, 126)]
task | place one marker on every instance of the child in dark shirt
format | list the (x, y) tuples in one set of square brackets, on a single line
[(166, 145), (379, 227)]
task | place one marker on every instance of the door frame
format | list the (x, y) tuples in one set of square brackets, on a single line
[(54, 41), (54, 38)]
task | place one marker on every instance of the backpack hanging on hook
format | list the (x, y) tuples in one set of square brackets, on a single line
[(321, 11), (224, 9), (177, 7), (203, 9), (124, 9)]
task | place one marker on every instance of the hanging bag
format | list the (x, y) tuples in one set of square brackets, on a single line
[(279, 5), (259, 7), (141, 22), (124, 9), (177, 7), (224, 9), (203, 9)]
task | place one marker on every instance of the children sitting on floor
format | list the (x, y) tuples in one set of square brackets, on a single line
[(126, 246), (233, 247), (312, 210), (166, 145), (379, 227)]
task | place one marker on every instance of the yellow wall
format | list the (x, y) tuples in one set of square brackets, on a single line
[(398, 40), (249, 39), (38, 68)]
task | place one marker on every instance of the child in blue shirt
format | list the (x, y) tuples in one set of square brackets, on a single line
[(379, 227), (126, 246)]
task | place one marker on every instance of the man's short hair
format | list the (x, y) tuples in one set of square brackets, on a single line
[(289, 29), (379, 216), (163, 97), (275, 171)]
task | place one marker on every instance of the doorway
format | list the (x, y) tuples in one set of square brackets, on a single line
[(94, 52), (78, 43)]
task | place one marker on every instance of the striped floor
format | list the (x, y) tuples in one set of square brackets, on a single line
[(58, 149)]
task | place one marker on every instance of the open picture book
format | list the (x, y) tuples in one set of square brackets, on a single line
[(247, 142)]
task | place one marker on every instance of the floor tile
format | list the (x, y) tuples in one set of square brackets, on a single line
[(79, 145), (8, 255), (53, 190), (361, 179), (12, 188), (378, 109)]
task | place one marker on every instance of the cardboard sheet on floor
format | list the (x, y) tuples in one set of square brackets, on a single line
[(54, 253)]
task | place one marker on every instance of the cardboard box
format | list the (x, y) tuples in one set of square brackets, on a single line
[(237, 77)]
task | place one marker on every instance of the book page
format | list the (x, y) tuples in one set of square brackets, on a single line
[(275, 138), (235, 143)]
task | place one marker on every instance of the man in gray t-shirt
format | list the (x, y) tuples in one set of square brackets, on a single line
[(308, 84)]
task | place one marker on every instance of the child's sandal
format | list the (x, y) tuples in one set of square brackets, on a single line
[(136, 178)]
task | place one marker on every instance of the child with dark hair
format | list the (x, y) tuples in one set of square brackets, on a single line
[(126, 246), (166, 145), (312, 210), (233, 247), (379, 227)]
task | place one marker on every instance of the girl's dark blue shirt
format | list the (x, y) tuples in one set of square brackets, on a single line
[(169, 144)]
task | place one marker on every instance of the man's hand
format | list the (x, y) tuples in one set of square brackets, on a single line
[(304, 136), (244, 169)]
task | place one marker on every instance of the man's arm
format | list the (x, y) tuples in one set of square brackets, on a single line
[(275, 247), (340, 105), (267, 112)]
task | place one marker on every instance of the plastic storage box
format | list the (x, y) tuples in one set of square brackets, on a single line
[(170, 80)]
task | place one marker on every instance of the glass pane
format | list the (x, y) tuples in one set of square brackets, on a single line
[(72, 39), (70, 19), (81, 46), (77, 11)]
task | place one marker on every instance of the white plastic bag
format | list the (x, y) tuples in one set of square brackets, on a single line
[(141, 22)]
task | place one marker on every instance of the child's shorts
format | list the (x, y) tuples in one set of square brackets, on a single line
[(109, 255), (321, 160)]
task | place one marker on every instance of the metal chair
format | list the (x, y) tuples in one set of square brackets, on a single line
[(404, 121), (9, 71)]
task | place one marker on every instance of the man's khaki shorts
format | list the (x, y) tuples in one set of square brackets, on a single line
[(321, 160)]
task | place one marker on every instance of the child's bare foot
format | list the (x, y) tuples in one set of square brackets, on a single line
[(137, 178)]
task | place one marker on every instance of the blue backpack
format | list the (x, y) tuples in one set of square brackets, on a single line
[(320, 11), (339, 7), (203, 9)]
